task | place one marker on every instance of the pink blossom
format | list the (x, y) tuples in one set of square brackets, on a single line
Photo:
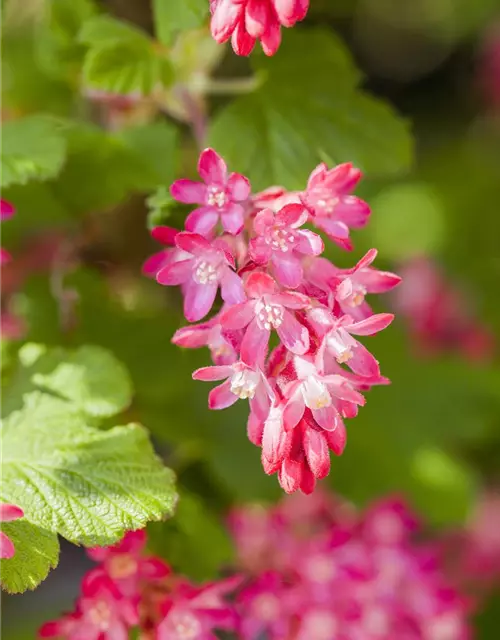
[(223, 347), (208, 266), (219, 194), (125, 564), (8, 513), (265, 608), (246, 21), (332, 208), (6, 212), (102, 613), (281, 242), (267, 308)]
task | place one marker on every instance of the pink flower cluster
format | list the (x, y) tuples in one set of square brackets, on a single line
[(276, 288), (437, 314), (246, 21), (130, 589), (319, 570)]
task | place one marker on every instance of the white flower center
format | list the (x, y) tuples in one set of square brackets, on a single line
[(340, 343), (100, 615), (280, 239), (357, 296), (315, 393), (323, 202), (186, 626), (205, 272), (269, 316), (216, 197), (244, 383)]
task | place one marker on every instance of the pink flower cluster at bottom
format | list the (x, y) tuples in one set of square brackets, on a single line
[(320, 571), (130, 589)]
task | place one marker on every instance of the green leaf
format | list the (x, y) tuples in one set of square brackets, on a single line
[(122, 59), (275, 138), (37, 552), (160, 205), (88, 485), (33, 148), (171, 17)]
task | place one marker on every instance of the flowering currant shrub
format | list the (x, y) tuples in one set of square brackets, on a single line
[(319, 569), (285, 338)]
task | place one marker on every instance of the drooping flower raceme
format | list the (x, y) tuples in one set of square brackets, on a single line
[(286, 336), (246, 21), (132, 590), (322, 571)]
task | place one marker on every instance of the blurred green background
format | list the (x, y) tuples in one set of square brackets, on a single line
[(408, 91)]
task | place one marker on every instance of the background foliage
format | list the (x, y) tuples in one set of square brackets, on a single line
[(391, 87)]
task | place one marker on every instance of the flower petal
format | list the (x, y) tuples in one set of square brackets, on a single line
[(371, 325), (188, 191), (241, 40), (337, 439), (237, 316), (154, 568), (212, 167), (293, 335), (317, 454), (363, 362), (292, 215), (377, 281), (198, 300), (271, 39), (327, 417), (231, 285), (9, 512), (292, 299), (165, 235), (202, 220), (256, 17), (274, 437), (263, 221), (192, 337), (259, 284), (254, 344), (290, 475), (192, 242), (224, 19), (207, 374), (7, 549), (7, 210), (238, 187), (310, 243), (294, 410), (175, 273), (259, 250), (288, 269), (232, 218), (222, 397)]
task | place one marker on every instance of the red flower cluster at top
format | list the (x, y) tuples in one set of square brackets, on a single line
[(255, 249), (246, 21), (319, 571), (132, 590)]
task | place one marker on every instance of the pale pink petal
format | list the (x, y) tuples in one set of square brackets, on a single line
[(327, 417), (241, 40), (254, 344), (9, 512), (317, 175), (294, 410), (292, 299), (192, 242), (365, 261), (198, 300), (259, 284), (334, 228), (208, 374), (7, 210), (292, 215), (260, 251), (165, 235), (256, 17), (353, 211), (188, 191), (274, 437), (287, 269), (7, 549), (370, 325), (289, 11), (154, 568), (231, 287), (232, 219), (222, 397), (310, 243), (344, 290), (262, 221), (271, 39), (377, 281), (239, 187), (337, 439), (192, 337), (212, 167), (317, 453), (155, 262), (175, 273), (237, 316), (224, 19), (293, 335), (255, 428), (363, 362), (202, 220), (290, 475)]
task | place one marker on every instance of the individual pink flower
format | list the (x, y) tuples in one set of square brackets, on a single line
[(6, 212), (8, 513), (208, 265), (265, 608), (246, 21), (219, 194), (125, 564), (281, 242), (102, 613), (241, 381), (267, 308), (332, 208), (194, 612), (223, 347)]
